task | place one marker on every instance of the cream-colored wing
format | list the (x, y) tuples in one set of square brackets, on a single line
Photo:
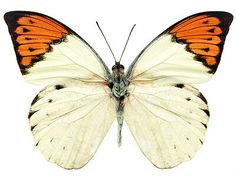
[(69, 121), (168, 120), (48, 51)]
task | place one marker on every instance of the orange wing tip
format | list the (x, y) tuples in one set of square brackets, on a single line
[(204, 34), (32, 35)]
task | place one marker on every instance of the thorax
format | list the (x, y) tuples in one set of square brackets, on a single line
[(119, 82)]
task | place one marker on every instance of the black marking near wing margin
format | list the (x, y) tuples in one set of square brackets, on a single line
[(35, 100), (179, 85), (58, 87), (32, 127), (204, 125), (207, 112), (202, 98), (31, 113)]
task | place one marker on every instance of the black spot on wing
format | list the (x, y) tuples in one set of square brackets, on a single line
[(212, 30), (206, 49), (179, 85), (188, 99), (25, 30), (31, 49), (58, 87), (37, 143), (31, 22), (201, 141)]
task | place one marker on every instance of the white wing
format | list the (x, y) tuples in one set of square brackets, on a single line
[(167, 119), (70, 120), (190, 50), (48, 51)]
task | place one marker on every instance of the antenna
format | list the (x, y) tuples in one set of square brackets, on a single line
[(106, 41), (126, 42)]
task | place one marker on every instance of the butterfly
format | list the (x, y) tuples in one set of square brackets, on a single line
[(166, 115)]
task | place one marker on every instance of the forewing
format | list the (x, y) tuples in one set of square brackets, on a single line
[(48, 51), (190, 50), (168, 120), (70, 120)]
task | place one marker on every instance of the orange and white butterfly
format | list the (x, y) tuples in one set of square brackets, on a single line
[(167, 116)]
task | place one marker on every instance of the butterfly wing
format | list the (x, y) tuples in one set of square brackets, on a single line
[(190, 50), (71, 116), (167, 116), (48, 51), (70, 120), (167, 119)]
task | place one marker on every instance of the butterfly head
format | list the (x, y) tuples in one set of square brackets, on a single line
[(118, 68)]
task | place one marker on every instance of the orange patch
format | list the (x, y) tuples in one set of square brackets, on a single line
[(28, 21), (210, 60), (210, 39), (210, 30), (53, 23), (204, 49), (32, 49), (210, 21), (41, 22), (24, 39), (186, 22), (31, 30), (26, 61)]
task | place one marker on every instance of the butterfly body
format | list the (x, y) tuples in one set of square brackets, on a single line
[(119, 89), (166, 114)]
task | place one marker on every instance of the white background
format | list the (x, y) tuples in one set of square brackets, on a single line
[(18, 157)]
